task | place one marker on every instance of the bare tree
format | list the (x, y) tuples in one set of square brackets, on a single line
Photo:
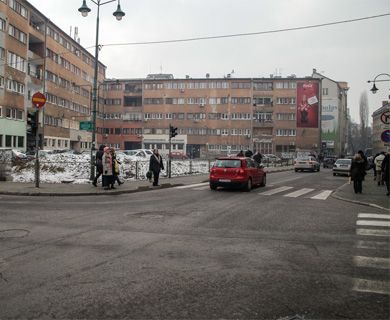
[(363, 112)]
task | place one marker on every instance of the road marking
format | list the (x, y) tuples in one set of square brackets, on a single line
[(192, 185), (373, 286), (322, 195), (374, 223), (374, 216), (376, 245), (298, 193), (373, 232), (202, 188), (274, 191), (372, 262)]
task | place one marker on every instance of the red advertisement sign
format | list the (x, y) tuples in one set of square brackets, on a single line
[(307, 104)]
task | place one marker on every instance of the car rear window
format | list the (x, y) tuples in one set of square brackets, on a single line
[(344, 161), (228, 163)]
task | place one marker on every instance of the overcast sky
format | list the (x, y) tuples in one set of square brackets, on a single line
[(352, 52)]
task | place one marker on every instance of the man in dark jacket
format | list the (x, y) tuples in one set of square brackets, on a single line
[(156, 165), (257, 157), (357, 172), (99, 164), (386, 171), (248, 153)]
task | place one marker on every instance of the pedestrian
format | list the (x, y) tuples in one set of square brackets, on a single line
[(366, 166), (257, 157), (248, 153), (99, 164), (378, 167), (156, 165), (385, 172), (115, 167), (108, 178), (357, 172), (240, 154)]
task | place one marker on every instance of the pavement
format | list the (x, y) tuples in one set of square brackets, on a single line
[(373, 195)]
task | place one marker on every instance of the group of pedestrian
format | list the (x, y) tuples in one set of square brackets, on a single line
[(107, 166), (381, 168), (257, 156)]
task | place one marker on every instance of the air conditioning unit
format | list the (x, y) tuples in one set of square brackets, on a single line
[(202, 105)]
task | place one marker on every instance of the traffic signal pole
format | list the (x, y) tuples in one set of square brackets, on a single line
[(169, 154), (37, 167)]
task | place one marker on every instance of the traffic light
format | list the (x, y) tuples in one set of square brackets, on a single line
[(32, 122), (172, 131)]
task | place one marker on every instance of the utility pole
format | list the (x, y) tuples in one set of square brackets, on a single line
[(172, 134)]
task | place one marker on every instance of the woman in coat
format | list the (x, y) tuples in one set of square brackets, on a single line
[(386, 171), (156, 165), (357, 172), (108, 178)]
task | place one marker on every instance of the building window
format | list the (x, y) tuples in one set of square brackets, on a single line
[(8, 141), (325, 91), (17, 34), (16, 61), (3, 24)]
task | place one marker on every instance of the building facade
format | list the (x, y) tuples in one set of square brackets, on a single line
[(334, 118), (213, 115), (378, 127), (38, 56)]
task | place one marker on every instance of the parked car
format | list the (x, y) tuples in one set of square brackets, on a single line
[(239, 172), (309, 163), (138, 153), (271, 158), (342, 166), (178, 155), (19, 156)]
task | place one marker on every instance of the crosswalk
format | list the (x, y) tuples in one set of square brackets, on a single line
[(292, 192), (373, 231)]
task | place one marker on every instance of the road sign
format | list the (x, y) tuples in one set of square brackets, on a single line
[(385, 117), (85, 125), (38, 99), (385, 136)]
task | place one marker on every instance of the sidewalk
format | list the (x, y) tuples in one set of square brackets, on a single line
[(70, 189), (372, 195)]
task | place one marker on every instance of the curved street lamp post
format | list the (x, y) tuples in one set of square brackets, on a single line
[(118, 14), (374, 89)]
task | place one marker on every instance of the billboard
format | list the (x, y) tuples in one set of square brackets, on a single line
[(329, 119), (307, 104)]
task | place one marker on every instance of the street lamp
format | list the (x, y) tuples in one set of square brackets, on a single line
[(118, 14), (374, 89)]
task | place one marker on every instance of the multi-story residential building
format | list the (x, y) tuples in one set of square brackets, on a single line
[(38, 56), (379, 125), (213, 115), (334, 120)]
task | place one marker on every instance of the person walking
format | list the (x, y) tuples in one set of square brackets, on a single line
[(357, 172), (99, 164), (386, 172), (115, 167), (240, 154), (156, 165), (378, 167), (108, 178), (248, 153), (257, 157)]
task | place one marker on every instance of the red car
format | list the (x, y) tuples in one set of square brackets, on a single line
[(236, 172)]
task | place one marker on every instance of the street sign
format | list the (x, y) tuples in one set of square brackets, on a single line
[(85, 125), (385, 117), (385, 136), (38, 99)]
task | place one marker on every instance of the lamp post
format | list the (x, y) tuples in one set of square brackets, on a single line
[(118, 14), (374, 89)]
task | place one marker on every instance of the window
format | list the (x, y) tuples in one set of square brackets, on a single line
[(285, 116), (286, 132), (20, 142), (262, 86), (17, 34), (14, 86), (3, 24), (8, 141), (16, 61), (261, 101), (2, 53), (325, 91), (291, 100), (241, 100), (16, 6), (285, 85), (241, 85), (132, 101), (1, 82)]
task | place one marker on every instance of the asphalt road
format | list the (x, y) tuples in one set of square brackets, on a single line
[(192, 253)]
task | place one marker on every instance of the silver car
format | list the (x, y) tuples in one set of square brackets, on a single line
[(342, 167), (306, 163)]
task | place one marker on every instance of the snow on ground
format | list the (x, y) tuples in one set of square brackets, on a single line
[(55, 168)]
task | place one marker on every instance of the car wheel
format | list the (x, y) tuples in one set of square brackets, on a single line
[(213, 186), (248, 186), (264, 181)]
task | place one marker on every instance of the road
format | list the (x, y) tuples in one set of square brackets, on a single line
[(287, 249)]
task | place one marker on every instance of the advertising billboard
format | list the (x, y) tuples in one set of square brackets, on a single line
[(329, 120), (307, 104)]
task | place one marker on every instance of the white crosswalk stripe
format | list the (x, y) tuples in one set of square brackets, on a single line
[(191, 185), (379, 228), (275, 191), (323, 195), (299, 192)]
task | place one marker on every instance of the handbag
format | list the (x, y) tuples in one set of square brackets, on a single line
[(149, 175)]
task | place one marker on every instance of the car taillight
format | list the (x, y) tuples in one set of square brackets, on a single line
[(241, 171)]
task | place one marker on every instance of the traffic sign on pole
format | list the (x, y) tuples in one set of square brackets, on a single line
[(385, 117), (38, 99), (85, 125), (385, 136)]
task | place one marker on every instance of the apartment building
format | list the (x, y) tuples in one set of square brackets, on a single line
[(213, 115), (36, 55), (334, 119)]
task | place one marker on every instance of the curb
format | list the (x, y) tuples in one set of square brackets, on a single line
[(334, 195)]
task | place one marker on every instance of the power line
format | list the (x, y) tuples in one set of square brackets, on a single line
[(248, 33)]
